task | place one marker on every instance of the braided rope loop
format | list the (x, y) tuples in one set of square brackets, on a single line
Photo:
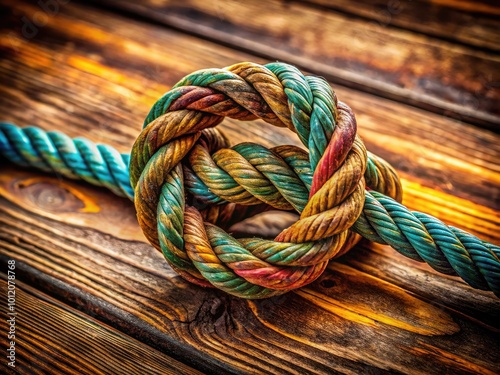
[(180, 154), (189, 185)]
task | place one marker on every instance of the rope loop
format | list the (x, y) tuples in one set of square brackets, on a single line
[(189, 185), (180, 156)]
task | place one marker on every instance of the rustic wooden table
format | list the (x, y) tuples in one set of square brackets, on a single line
[(94, 297)]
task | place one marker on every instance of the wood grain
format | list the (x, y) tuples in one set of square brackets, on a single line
[(321, 328), (474, 23), (444, 77), (95, 74), (53, 338), (349, 320)]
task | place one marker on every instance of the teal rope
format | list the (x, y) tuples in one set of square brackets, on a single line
[(78, 158), (424, 238), (416, 235)]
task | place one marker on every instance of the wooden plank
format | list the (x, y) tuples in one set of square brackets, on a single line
[(474, 23), (436, 75), (51, 337), (348, 321), (376, 311)]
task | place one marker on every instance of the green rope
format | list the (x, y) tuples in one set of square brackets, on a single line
[(79, 158), (416, 235), (179, 157)]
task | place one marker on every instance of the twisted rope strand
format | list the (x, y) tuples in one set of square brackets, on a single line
[(188, 184), (78, 158), (426, 239), (24, 147)]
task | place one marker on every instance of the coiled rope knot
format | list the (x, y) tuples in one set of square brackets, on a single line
[(339, 189), (179, 153)]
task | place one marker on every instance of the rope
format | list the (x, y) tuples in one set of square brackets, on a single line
[(189, 186)]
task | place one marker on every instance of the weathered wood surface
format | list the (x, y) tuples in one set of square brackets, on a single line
[(474, 23), (373, 311), (450, 79), (48, 328), (92, 73)]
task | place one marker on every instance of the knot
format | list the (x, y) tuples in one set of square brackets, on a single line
[(190, 185)]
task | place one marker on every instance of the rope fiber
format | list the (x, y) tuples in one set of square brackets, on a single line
[(341, 191)]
